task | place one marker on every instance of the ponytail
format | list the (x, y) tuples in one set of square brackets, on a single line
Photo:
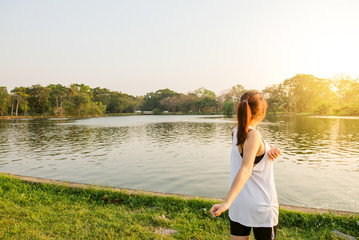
[(251, 106), (244, 116)]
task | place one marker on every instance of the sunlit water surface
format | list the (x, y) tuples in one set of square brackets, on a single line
[(319, 165)]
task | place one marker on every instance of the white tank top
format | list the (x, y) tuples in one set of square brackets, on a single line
[(256, 205)]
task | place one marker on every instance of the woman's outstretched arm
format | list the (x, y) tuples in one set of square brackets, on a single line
[(251, 146)]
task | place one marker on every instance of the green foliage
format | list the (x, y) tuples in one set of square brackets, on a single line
[(157, 111), (323, 108), (118, 102), (205, 101), (152, 100), (133, 104), (96, 109), (348, 97), (228, 108), (102, 95), (203, 92), (5, 101), (307, 93), (277, 98), (171, 104), (57, 94), (19, 99), (230, 98), (302, 93), (201, 100), (38, 98)]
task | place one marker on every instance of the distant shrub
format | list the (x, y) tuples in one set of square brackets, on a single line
[(157, 111)]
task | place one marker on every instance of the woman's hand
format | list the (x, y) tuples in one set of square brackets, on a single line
[(217, 209), (273, 153)]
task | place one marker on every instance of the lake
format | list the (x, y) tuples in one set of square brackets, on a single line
[(187, 154)]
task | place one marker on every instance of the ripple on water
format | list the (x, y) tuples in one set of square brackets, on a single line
[(187, 154)]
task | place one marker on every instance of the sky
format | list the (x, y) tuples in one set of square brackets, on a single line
[(139, 46)]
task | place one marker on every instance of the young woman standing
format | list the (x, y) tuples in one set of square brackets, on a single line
[(252, 198)]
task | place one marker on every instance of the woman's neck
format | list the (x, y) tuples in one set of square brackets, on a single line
[(253, 124)]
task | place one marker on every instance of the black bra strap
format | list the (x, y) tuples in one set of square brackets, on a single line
[(256, 156)]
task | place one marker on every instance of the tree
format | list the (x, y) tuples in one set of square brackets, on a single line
[(231, 95), (227, 108), (71, 91), (82, 102), (206, 100), (152, 99), (347, 90), (170, 103), (236, 92), (208, 104), (118, 102), (276, 98), (102, 95), (187, 102), (96, 109), (134, 103), (79, 101), (203, 92), (307, 92), (180, 103), (301, 93), (20, 96), (57, 94), (5, 100), (38, 98)]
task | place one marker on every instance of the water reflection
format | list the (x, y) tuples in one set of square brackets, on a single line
[(319, 142), (187, 154)]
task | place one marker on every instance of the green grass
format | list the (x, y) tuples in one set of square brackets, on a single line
[(44, 211)]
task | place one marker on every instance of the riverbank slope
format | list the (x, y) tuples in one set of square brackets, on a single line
[(32, 210)]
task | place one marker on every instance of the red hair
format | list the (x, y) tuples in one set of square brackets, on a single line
[(251, 105)]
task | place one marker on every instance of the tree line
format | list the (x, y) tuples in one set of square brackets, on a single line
[(306, 93), (59, 100), (82, 100), (302, 93)]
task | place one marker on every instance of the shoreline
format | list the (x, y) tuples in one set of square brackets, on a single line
[(178, 114), (37, 180), (45, 117), (106, 115)]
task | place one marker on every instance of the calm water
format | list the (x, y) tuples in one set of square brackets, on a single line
[(319, 165)]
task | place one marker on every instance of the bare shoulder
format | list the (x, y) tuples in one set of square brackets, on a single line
[(254, 135)]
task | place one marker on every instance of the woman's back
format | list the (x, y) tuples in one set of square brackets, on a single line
[(256, 205)]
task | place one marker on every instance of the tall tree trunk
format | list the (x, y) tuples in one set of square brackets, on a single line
[(17, 105), (57, 102), (12, 106)]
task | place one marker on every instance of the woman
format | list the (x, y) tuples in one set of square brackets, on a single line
[(252, 198)]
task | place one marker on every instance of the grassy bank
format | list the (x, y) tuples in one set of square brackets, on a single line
[(45, 211)]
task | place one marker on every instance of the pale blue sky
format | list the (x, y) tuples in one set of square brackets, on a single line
[(137, 46)]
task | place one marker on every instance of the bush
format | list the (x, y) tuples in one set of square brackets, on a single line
[(157, 111), (227, 108)]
